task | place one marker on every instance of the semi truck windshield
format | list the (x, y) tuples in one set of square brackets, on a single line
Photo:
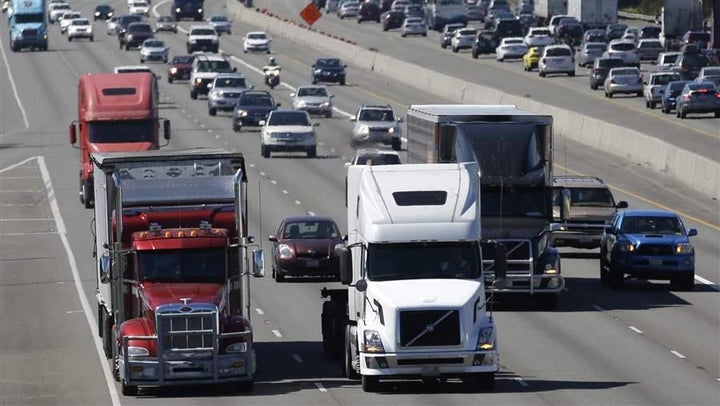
[(121, 131), (387, 262), (187, 265)]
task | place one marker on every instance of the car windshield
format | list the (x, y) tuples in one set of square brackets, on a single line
[(650, 32), (560, 51), (670, 58), (183, 60), (650, 44), (514, 42), (139, 4), (664, 79), (622, 46), (376, 115), (166, 19), (154, 44), (540, 32), (218, 19), (202, 31), (80, 21), (310, 230), (413, 20), (312, 91), (103, 8), (289, 118), (257, 36), (230, 82), (625, 72), (651, 225), (699, 37), (328, 63), (110, 131), (140, 28), (609, 62), (71, 16), (711, 71), (467, 31), (185, 265), (377, 159), (386, 262), (595, 47), (596, 197), (255, 99), (617, 27), (214, 66)]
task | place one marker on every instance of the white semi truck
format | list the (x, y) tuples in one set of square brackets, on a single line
[(593, 13), (415, 306)]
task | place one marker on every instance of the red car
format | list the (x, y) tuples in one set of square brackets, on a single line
[(304, 246), (180, 67)]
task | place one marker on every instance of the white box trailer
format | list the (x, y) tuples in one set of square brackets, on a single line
[(593, 13)]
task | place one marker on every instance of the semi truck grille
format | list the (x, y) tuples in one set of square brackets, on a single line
[(655, 249), (29, 32), (182, 331), (429, 328)]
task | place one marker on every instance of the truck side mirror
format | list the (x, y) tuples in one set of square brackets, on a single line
[(166, 129), (622, 204), (272, 238), (73, 133), (565, 205), (692, 232), (258, 266), (345, 260), (105, 268)]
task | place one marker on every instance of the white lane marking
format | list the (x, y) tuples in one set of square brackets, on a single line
[(277, 333), (285, 192), (21, 191), (310, 213), (521, 382), (23, 234), (73, 311), (14, 87), (262, 173), (297, 358), (707, 282), (274, 182), (60, 224), (259, 311), (19, 177), (154, 9), (40, 219), (598, 308), (635, 329), (13, 166), (260, 72), (298, 202), (677, 354), (321, 388)]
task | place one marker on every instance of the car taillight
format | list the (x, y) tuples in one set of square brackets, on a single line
[(702, 91), (686, 97)]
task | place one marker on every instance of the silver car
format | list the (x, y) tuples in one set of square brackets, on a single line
[(153, 49), (166, 23), (348, 8), (224, 92), (709, 74), (413, 26), (589, 51), (314, 100), (221, 23), (625, 50), (112, 25), (649, 49), (624, 80), (376, 124)]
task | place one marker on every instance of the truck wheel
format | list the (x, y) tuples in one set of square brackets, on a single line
[(333, 329), (265, 151), (350, 371), (396, 144), (212, 111), (276, 274), (370, 383), (129, 390), (245, 387)]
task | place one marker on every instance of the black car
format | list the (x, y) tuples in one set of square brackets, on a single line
[(570, 34), (689, 63), (507, 27), (103, 11), (125, 20), (392, 19), (328, 70), (252, 107), (135, 35), (615, 31), (600, 70), (485, 43), (595, 35), (649, 32), (369, 11)]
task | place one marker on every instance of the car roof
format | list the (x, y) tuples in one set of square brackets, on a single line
[(210, 57), (578, 181), (648, 213), (376, 107), (308, 218), (230, 75), (204, 26)]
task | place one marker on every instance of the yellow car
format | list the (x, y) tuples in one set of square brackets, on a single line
[(530, 59)]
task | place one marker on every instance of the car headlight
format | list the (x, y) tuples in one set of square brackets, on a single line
[(97, 14), (318, 71), (372, 342), (285, 251), (363, 129), (173, 70), (177, 10), (626, 247), (199, 10), (216, 94), (110, 14), (236, 347), (684, 248), (301, 103), (325, 104), (241, 113), (137, 351), (391, 130), (485, 341)]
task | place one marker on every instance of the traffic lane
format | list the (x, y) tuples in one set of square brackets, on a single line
[(12, 121), (46, 335), (426, 52)]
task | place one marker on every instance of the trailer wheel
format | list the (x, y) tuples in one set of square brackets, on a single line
[(350, 371), (370, 383), (333, 329)]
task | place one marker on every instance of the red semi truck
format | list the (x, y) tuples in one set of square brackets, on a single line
[(116, 112), (173, 266)]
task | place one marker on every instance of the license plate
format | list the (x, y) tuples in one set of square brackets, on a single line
[(656, 262), (312, 263), (430, 371)]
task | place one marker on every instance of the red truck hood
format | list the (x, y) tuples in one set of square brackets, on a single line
[(157, 294), (120, 146)]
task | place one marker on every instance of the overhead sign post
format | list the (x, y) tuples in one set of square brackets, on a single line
[(310, 14)]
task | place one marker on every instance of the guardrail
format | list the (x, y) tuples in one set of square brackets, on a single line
[(634, 16)]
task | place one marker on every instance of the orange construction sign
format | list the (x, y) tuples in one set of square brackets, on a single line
[(310, 14)]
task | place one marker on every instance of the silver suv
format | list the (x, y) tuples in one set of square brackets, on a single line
[(376, 124), (592, 207), (204, 70), (314, 99), (225, 91)]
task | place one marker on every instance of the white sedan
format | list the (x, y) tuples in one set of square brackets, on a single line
[(539, 37), (511, 48), (80, 28), (139, 8), (463, 38), (288, 131), (66, 18), (256, 41)]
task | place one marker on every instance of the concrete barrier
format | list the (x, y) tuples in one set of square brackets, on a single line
[(695, 171)]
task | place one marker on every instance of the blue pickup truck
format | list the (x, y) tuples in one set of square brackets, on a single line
[(28, 25)]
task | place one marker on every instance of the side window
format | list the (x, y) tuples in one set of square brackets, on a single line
[(616, 221)]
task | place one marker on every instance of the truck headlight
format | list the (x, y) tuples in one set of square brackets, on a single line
[(198, 81), (236, 347), (199, 10), (177, 10), (325, 104), (363, 129), (285, 251), (137, 351), (550, 269), (684, 248), (372, 342), (486, 341), (391, 130), (626, 247)]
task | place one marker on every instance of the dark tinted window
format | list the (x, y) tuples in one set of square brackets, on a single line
[(420, 198), (694, 60), (289, 118), (650, 32), (121, 131), (378, 159), (622, 46), (560, 51), (140, 28), (651, 225), (610, 62), (183, 60), (256, 99)]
